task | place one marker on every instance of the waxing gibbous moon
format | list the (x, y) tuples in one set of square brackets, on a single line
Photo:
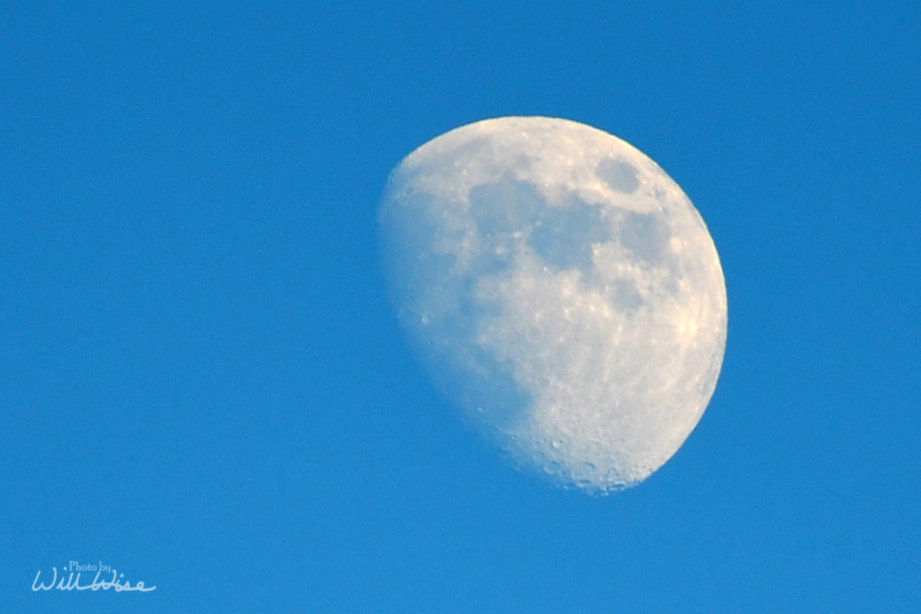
[(562, 290)]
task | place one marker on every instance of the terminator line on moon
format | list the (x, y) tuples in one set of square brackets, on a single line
[(562, 290)]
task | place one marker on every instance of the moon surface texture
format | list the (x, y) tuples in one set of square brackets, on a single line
[(562, 290)]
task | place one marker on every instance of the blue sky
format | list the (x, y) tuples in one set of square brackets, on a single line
[(202, 383)]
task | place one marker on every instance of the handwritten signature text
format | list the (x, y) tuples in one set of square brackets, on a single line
[(71, 582)]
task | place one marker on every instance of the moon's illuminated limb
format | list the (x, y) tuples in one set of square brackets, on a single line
[(562, 289)]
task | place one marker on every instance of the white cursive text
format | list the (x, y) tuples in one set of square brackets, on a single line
[(72, 583)]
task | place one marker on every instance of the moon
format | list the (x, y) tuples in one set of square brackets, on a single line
[(563, 292)]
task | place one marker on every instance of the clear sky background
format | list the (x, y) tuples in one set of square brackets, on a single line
[(202, 383)]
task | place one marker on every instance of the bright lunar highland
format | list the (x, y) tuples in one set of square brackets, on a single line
[(562, 290)]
